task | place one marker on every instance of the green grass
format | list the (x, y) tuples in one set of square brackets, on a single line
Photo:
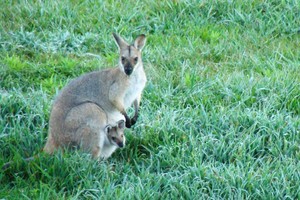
[(220, 112)]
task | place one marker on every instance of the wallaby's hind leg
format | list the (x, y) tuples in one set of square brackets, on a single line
[(51, 145), (96, 152)]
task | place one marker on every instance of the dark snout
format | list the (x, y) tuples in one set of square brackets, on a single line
[(121, 144), (128, 69)]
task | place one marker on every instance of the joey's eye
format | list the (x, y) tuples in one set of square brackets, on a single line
[(113, 138), (136, 59), (107, 129), (122, 136)]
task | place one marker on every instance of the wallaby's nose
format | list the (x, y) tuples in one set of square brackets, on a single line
[(120, 144), (128, 69)]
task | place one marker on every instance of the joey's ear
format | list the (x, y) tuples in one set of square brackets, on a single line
[(121, 124), (107, 129), (140, 42), (120, 42)]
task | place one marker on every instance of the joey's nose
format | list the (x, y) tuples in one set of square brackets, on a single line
[(120, 144)]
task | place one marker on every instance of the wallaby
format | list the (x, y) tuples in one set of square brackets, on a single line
[(79, 109), (112, 90)]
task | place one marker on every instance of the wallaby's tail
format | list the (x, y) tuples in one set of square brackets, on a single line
[(59, 111)]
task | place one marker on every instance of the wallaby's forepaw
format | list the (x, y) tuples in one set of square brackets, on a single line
[(128, 123)]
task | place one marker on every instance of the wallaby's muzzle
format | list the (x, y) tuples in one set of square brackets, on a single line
[(128, 69), (121, 144)]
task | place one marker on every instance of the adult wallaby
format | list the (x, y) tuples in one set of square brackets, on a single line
[(112, 90)]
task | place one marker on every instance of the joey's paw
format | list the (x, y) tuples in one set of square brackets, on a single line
[(128, 123)]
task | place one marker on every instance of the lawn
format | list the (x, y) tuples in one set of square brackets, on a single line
[(220, 114)]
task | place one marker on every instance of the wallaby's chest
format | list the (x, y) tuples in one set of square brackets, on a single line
[(136, 86)]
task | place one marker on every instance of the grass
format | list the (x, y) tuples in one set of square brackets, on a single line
[(220, 112)]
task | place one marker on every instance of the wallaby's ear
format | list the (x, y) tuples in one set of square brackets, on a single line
[(107, 129), (140, 42), (121, 124), (120, 42)]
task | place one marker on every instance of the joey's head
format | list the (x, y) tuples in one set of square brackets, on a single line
[(115, 134), (130, 54)]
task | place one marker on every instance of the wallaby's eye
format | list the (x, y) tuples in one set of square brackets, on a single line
[(122, 136), (123, 59), (113, 138), (136, 59)]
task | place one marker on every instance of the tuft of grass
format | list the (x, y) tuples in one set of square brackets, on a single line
[(220, 112)]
